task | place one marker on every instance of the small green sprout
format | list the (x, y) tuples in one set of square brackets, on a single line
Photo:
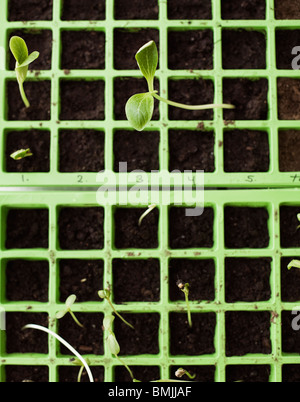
[(105, 294), (113, 344), (149, 210), (294, 264), (68, 309), (184, 287), (139, 108), (19, 50), (76, 362), (181, 372), (21, 154), (298, 217)]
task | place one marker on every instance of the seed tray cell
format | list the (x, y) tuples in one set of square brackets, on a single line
[(223, 313), (253, 71)]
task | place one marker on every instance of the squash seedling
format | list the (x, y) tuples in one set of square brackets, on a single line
[(105, 294), (181, 372), (19, 50), (185, 288), (21, 154), (113, 344), (139, 108), (68, 309)]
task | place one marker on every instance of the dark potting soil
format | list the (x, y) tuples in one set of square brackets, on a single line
[(39, 97), (289, 143), (246, 227), (39, 143), (189, 92), (190, 232), (124, 88), (77, 10), (128, 42), (82, 100), (199, 274), (81, 228), (189, 10), (191, 150), (290, 337), (288, 98), (136, 9), (291, 373), (287, 10), (195, 48), (128, 233), (84, 278), (289, 233), (247, 332), (27, 280), (143, 339), (136, 280), (195, 341), (246, 151), (140, 152), (30, 10), (243, 9), (29, 340), (203, 373), (249, 98), (26, 374), (27, 228), (247, 279), (141, 373), (248, 373), (290, 281), (36, 40), (83, 50), (87, 340), (70, 374), (81, 151), (242, 49), (286, 40)]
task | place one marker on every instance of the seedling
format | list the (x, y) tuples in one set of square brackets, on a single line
[(184, 287), (149, 210), (21, 154), (139, 108), (19, 50), (77, 362), (113, 344), (295, 263), (181, 372), (105, 294), (68, 309), (65, 343)]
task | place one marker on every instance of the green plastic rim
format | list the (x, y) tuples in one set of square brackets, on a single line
[(272, 126), (271, 200)]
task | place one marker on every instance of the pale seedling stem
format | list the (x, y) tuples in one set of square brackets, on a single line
[(184, 287), (149, 210), (69, 303), (105, 294)]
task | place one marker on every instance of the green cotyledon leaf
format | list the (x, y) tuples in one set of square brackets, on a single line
[(139, 110)]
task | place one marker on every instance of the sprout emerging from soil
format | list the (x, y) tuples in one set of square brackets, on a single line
[(68, 309), (105, 294), (181, 372), (145, 214), (77, 362), (113, 344), (21, 154), (139, 108), (19, 50), (65, 343), (184, 287)]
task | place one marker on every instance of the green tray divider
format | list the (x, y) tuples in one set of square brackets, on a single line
[(272, 178), (217, 199)]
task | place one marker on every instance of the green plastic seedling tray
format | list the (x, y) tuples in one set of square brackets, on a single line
[(271, 200), (272, 125)]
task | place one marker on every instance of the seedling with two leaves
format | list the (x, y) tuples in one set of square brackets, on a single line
[(19, 49), (68, 309), (139, 108)]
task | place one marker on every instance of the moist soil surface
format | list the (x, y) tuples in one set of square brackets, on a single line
[(87, 10), (37, 141), (136, 9), (289, 232), (81, 151), (288, 98), (286, 40), (141, 373), (191, 150), (243, 9), (287, 10), (189, 10), (246, 151), (27, 374), (289, 143), (30, 10), (248, 373)]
